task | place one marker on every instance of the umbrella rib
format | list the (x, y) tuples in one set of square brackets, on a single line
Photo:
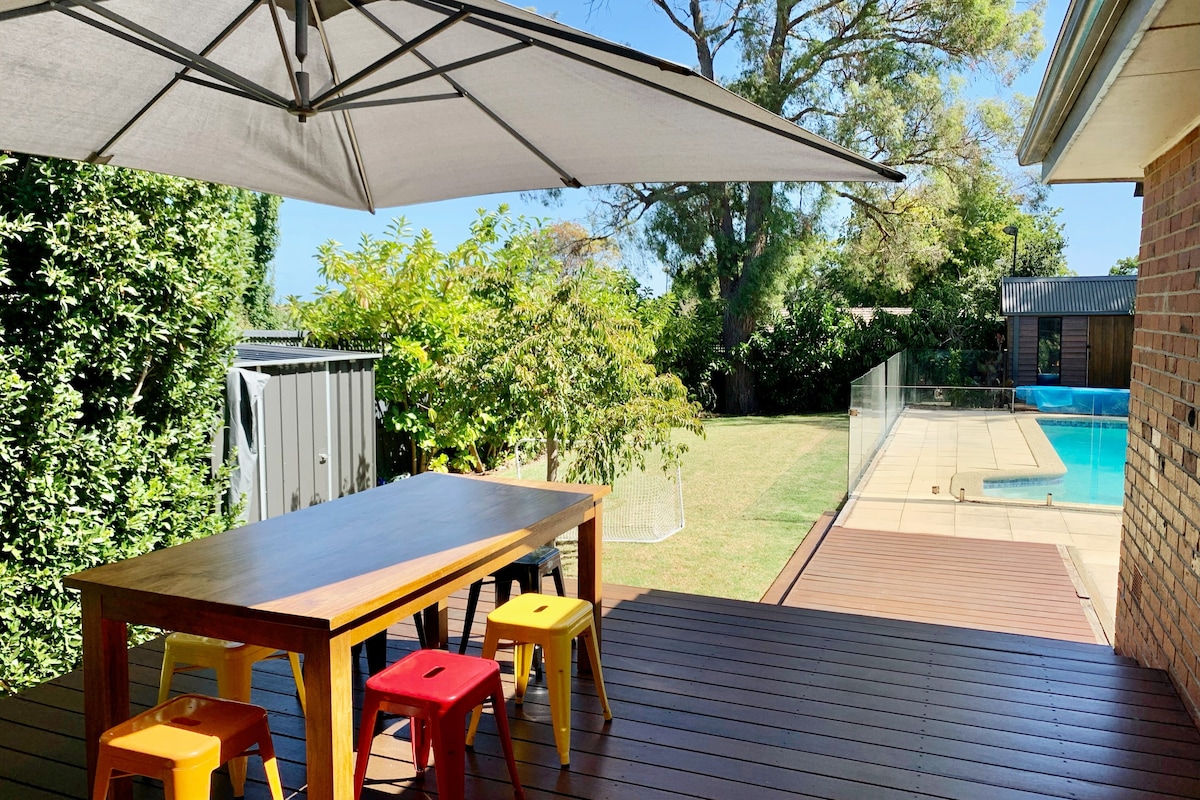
[(399, 52), (564, 176), (333, 71), (399, 101), (220, 87), (817, 144), (433, 72), (192, 60), (176, 78), (566, 35), (287, 59)]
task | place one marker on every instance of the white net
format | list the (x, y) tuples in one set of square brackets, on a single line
[(646, 505)]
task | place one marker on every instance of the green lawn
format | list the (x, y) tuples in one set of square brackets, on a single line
[(752, 488)]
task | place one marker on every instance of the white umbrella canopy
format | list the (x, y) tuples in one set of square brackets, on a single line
[(395, 101)]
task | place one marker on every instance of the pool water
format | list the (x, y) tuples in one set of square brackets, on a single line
[(1093, 452)]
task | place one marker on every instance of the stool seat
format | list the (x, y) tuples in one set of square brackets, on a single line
[(182, 741), (527, 572), (231, 660), (542, 616), (551, 622), (427, 681), (435, 689)]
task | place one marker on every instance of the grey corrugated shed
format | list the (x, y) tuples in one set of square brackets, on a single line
[(1089, 295), (262, 355)]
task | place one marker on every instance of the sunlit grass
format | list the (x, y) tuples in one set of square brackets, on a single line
[(752, 489)]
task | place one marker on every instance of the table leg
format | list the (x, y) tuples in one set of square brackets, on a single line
[(329, 719), (591, 581), (105, 684), (377, 652), (436, 621)]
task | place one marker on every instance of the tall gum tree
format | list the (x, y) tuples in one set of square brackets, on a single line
[(869, 74)]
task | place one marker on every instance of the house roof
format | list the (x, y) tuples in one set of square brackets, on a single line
[(1092, 295), (272, 355), (1119, 91)]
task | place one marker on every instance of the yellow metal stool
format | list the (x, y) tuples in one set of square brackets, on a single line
[(181, 742), (551, 622), (232, 661)]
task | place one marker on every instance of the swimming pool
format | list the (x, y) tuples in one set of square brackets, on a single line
[(1093, 452)]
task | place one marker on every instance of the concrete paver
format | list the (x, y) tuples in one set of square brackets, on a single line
[(928, 448)]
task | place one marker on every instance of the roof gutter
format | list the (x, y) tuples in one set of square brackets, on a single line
[(1088, 27)]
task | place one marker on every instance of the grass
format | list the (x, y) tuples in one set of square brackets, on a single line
[(752, 488)]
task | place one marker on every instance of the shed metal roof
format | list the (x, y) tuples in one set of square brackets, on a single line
[(272, 355), (1092, 295)]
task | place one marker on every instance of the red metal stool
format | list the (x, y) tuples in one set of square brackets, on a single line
[(436, 690)]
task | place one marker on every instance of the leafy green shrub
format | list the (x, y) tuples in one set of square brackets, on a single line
[(117, 294), (500, 339), (805, 357)]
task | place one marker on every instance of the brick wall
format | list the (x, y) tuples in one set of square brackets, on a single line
[(1158, 608)]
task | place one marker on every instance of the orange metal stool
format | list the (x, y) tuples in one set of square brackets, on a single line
[(435, 689), (232, 661), (181, 742), (553, 623)]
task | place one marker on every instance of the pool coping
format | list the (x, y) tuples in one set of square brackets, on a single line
[(968, 486)]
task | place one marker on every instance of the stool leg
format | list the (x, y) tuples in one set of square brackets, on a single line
[(503, 591), (594, 656), (377, 651), (418, 734), (448, 760), (233, 683), (558, 679), (103, 773), (472, 601), (298, 676), (522, 663), (168, 672), (500, 712), (266, 750), (490, 643), (558, 582), (366, 734), (189, 784)]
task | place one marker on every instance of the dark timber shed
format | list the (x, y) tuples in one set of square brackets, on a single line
[(310, 432), (1069, 331)]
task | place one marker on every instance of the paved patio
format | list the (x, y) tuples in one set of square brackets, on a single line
[(912, 488)]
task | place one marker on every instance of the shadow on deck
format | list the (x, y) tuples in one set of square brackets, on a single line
[(726, 699)]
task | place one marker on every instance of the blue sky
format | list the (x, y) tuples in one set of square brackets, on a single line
[(1101, 221)]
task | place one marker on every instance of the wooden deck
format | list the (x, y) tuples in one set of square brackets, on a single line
[(723, 699), (1005, 586)]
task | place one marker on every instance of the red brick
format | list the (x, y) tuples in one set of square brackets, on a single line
[(1160, 533)]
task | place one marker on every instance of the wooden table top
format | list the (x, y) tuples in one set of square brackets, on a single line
[(321, 566)]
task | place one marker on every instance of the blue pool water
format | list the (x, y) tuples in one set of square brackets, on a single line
[(1094, 454)]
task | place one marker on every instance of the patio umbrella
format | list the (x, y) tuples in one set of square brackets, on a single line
[(377, 103)]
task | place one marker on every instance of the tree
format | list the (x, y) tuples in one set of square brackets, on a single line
[(951, 235), (258, 299), (567, 350), (118, 294), (1127, 265), (516, 332), (869, 75)]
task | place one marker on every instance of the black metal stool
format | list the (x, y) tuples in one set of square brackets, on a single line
[(527, 571)]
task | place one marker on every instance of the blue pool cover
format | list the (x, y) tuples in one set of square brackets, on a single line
[(1076, 400)]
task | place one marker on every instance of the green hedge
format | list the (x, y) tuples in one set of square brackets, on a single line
[(118, 295)]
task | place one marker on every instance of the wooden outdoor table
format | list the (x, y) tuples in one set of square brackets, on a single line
[(319, 580)]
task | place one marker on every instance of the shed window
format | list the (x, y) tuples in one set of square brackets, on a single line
[(1049, 349)]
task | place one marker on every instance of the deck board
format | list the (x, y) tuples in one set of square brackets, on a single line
[(982, 584), (719, 698)]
